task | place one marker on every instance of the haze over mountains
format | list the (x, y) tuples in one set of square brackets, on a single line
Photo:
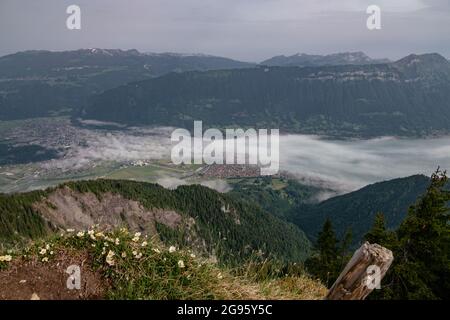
[(344, 94)]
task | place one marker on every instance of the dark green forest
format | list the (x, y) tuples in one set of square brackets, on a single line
[(245, 231), (357, 210), (295, 202), (420, 245)]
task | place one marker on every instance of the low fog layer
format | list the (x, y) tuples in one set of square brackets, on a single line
[(173, 183), (120, 146), (350, 165), (340, 165)]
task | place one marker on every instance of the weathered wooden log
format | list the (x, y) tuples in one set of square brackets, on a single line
[(362, 273)]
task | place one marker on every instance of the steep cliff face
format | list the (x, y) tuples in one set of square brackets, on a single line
[(69, 209)]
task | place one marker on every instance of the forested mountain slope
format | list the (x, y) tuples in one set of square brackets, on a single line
[(192, 216), (357, 210), (407, 97), (42, 83)]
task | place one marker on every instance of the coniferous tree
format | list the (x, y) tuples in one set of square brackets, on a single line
[(344, 249), (325, 262), (327, 242), (421, 247), (425, 242), (346, 242), (378, 234)]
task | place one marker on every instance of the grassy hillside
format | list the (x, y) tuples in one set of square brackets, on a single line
[(275, 195), (190, 216), (124, 265)]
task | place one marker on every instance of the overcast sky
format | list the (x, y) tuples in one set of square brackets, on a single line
[(250, 30)]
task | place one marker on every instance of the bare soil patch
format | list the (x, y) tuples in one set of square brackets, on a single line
[(24, 279)]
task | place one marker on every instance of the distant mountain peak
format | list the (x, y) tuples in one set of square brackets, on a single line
[(111, 52), (341, 58), (178, 55), (423, 58), (429, 65)]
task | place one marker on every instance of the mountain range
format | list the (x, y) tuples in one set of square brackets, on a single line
[(342, 95), (409, 97), (42, 83), (309, 60)]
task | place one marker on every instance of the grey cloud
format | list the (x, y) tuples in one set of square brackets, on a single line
[(251, 30)]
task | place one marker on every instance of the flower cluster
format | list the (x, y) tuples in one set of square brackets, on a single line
[(6, 258), (45, 252), (116, 252)]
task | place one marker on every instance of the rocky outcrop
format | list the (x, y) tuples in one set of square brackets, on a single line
[(65, 208)]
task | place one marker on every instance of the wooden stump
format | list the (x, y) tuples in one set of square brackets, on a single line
[(357, 279)]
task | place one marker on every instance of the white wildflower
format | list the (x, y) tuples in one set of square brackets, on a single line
[(43, 251), (117, 241), (172, 249), (181, 264), (136, 237), (45, 259), (144, 244), (6, 258), (100, 235), (124, 254), (110, 258), (70, 230), (80, 234), (192, 255), (156, 250)]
